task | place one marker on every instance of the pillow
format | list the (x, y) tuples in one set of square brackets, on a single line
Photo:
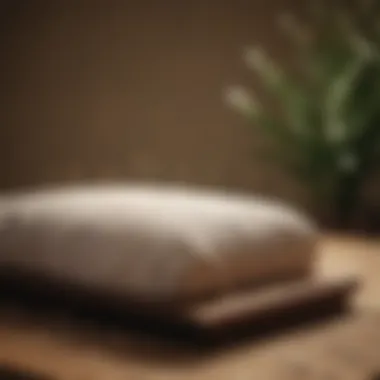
[(151, 242)]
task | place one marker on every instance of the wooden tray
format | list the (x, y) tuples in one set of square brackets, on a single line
[(260, 311), (252, 311)]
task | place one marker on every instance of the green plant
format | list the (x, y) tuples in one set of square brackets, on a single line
[(324, 122)]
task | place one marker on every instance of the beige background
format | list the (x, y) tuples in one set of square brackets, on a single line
[(132, 89)]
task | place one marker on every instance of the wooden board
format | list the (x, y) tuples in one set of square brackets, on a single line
[(252, 311), (342, 348), (276, 305)]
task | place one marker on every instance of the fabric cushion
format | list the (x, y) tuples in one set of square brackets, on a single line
[(152, 242)]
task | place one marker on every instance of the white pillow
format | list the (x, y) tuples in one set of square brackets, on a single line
[(151, 242)]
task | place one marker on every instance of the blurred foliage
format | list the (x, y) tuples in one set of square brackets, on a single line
[(324, 122)]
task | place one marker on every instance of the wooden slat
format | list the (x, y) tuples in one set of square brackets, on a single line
[(277, 302)]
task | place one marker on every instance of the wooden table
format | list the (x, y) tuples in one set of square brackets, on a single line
[(348, 348)]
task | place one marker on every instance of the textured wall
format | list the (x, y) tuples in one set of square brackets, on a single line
[(131, 89)]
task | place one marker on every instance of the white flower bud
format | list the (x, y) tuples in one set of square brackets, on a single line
[(239, 98)]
